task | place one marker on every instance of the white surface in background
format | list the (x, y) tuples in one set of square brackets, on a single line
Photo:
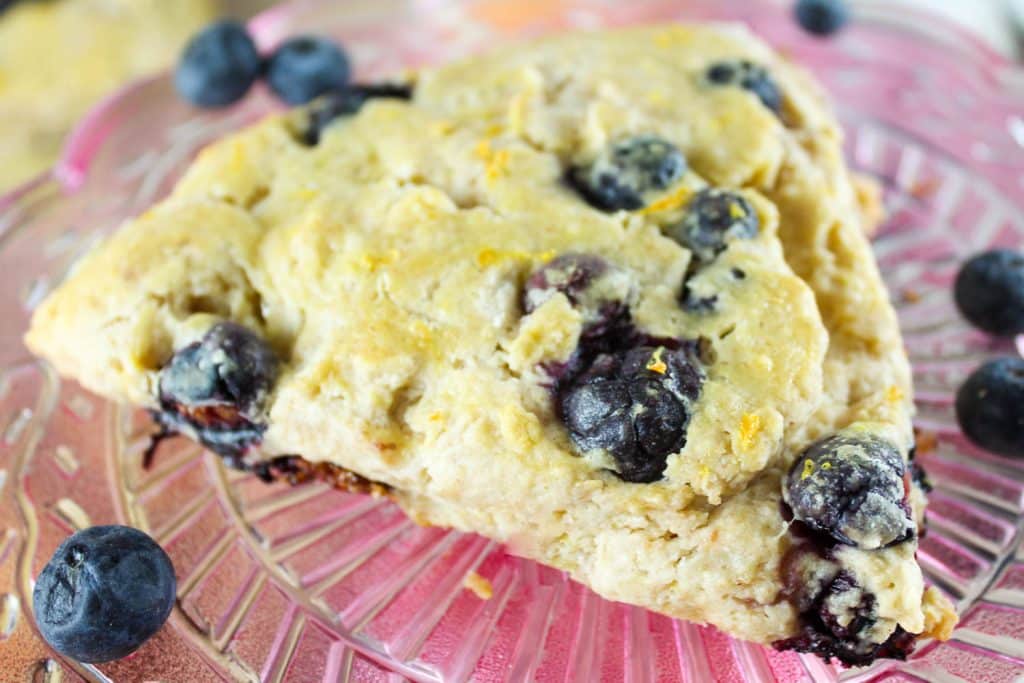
[(996, 21)]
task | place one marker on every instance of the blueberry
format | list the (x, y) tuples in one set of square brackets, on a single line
[(634, 405), (990, 406), (306, 67), (713, 218), (334, 105), (219, 65), (749, 76), (627, 170), (600, 291), (851, 487), (822, 17), (104, 593), (215, 388), (989, 292)]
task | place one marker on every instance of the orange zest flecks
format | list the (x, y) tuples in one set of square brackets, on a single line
[(656, 364), (672, 201), (750, 427), (808, 469), (894, 394), (497, 165), (483, 149)]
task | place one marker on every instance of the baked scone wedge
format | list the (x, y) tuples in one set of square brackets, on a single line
[(604, 297)]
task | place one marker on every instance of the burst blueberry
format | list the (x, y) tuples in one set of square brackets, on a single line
[(214, 389), (837, 613), (628, 172), (305, 67), (851, 487), (989, 291), (822, 17), (990, 406), (634, 405), (219, 65), (749, 76), (712, 219), (600, 291), (104, 593)]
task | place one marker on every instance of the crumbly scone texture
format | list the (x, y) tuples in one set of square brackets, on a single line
[(59, 58), (386, 266)]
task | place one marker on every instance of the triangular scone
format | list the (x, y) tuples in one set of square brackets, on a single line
[(604, 297)]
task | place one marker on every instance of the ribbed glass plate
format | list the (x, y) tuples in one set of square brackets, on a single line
[(309, 584)]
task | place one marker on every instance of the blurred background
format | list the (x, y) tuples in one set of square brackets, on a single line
[(58, 58)]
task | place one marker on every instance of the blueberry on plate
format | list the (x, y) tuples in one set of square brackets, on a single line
[(215, 388), (104, 593), (822, 17), (627, 170), (851, 487), (333, 105), (990, 406), (749, 76), (306, 67), (219, 65), (989, 291), (634, 405), (713, 218)]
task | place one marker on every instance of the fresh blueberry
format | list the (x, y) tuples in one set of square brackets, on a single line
[(334, 105), (306, 67), (749, 76), (635, 405), (837, 614), (712, 219), (104, 593), (852, 488), (627, 170), (990, 406), (989, 292), (219, 65), (214, 389), (597, 289), (822, 17)]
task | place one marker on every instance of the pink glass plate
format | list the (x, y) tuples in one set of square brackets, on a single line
[(308, 584)]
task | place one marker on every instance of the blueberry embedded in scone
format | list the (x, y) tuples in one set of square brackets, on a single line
[(634, 405), (852, 486), (749, 76), (628, 172), (712, 218), (215, 389), (326, 110), (602, 292)]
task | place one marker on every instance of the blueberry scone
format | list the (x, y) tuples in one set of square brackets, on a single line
[(604, 297)]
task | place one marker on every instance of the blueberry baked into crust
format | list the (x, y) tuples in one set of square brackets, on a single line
[(592, 296)]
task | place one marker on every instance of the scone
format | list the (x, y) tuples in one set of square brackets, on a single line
[(604, 297)]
